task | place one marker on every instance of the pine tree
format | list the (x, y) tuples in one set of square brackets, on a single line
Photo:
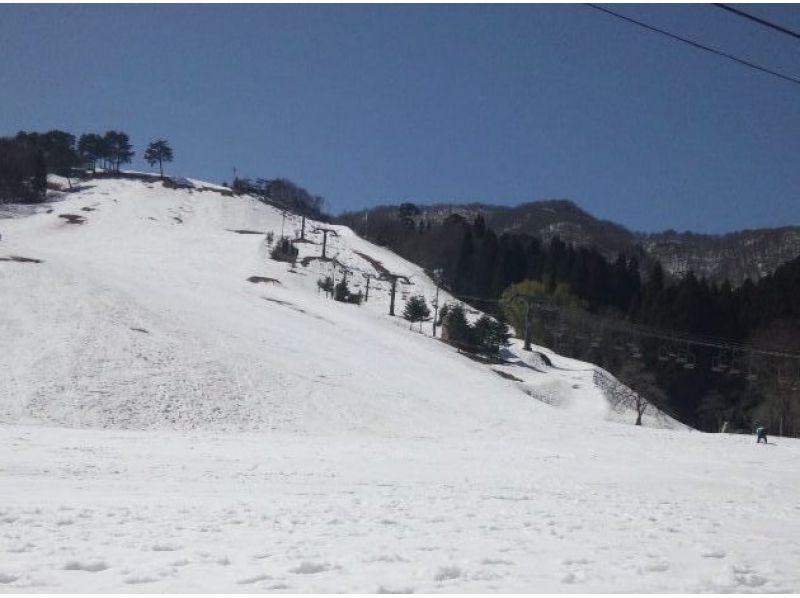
[(118, 148), (341, 292), (159, 152), (40, 175), (416, 310), (90, 149), (456, 329), (490, 335)]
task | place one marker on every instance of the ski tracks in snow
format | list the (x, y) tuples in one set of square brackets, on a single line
[(105, 511)]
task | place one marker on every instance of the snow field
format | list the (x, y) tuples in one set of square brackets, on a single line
[(108, 510), (169, 426)]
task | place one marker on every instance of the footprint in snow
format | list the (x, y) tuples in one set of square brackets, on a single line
[(138, 580), (660, 567), (307, 568), (254, 579), (385, 590), (495, 562), (445, 573), (91, 566)]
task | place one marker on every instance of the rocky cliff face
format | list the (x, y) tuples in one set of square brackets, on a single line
[(735, 256)]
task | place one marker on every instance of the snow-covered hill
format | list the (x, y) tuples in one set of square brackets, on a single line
[(142, 316), (169, 425)]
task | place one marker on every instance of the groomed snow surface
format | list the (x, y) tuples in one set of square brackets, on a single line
[(169, 426)]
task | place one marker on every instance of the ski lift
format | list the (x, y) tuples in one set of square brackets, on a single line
[(690, 360), (618, 344), (718, 363), (751, 375), (783, 376), (735, 367), (635, 350), (596, 342)]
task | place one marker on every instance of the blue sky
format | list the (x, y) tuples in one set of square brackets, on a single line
[(368, 104)]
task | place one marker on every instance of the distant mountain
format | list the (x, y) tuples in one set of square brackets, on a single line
[(746, 254), (735, 256)]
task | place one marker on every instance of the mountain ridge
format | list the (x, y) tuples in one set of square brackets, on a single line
[(735, 256)]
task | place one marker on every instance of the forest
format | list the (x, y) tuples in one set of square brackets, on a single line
[(720, 355), (28, 157)]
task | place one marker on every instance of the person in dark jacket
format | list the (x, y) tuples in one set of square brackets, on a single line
[(761, 433)]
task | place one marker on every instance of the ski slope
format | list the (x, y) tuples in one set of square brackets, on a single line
[(172, 426)]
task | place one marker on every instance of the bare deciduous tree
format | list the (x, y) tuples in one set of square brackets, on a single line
[(634, 388)]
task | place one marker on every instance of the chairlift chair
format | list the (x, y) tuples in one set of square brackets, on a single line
[(783, 376), (751, 374), (662, 353), (690, 361), (736, 366)]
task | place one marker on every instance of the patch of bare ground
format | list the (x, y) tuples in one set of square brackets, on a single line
[(19, 258), (479, 358), (244, 231), (507, 376), (257, 279), (375, 263), (292, 306), (72, 218), (316, 258)]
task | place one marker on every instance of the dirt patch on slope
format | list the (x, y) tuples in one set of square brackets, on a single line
[(72, 218), (19, 258), (257, 279)]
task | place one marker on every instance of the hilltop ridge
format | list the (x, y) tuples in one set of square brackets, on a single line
[(734, 256)]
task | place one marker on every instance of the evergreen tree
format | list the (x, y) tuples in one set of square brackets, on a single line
[(118, 148), (159, 152), (490, 335), (40, 176), (341, 291), (90, 149), (456, 329), (416, 310)]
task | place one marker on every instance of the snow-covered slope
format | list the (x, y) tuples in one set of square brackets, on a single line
[(143, 316), (168, 426)]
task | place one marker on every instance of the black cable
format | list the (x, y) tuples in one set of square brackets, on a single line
[(697, 45), (741, 13)]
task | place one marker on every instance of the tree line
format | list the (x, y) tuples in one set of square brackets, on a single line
[(479, 266), (284, 194), (28, 157)]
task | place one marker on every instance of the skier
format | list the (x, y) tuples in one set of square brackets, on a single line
[(761, 432)]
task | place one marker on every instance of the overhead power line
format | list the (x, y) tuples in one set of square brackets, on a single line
[(698, 45), (741, 13)]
